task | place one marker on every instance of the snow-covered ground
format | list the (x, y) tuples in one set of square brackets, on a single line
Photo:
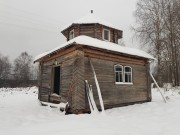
[(21, 114)]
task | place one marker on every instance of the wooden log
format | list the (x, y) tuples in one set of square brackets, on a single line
[(98, 88), (119, 94)]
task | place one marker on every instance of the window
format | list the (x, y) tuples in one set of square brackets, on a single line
[(71, 34), (127, 74), (119, 73), (106, 34), (123, 74)]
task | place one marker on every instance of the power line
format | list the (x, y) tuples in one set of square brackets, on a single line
[(21, 21), (26, 15), (29, 27), (28, 12)]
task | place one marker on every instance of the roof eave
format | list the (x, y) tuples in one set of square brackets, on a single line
[(87, 23), (49, 54), (115, 52)]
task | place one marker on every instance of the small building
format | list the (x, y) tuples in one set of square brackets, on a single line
[(122, 72)]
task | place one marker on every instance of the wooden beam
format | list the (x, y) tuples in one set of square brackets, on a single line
[(112, 57), (98, 88), (90, 96), (158, 87)]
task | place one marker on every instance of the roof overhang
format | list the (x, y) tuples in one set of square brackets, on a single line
[(88, 41)]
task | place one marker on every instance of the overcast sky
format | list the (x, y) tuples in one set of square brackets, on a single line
[(35, 25)]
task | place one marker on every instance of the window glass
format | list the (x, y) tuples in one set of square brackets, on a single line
[(71, 34), (119, 73), (118, 68), (120, 77), (128, 75), (127, 69), (106, 34), (123, 74), (117, 77)]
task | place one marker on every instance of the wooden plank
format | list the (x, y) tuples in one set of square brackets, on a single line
[(93, 30), (90, 52), (66, 61), (112, 93), (44, 98), (63, 52), (78, 91)]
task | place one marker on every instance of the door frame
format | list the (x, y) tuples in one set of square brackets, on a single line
[(52, 78)]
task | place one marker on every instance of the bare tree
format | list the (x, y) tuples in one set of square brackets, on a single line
[(22, 69), (170, 9), (5, 69), (149, 27), (35, 72), (158, 29)]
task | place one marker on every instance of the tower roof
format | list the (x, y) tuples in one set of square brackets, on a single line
[(91, 19)]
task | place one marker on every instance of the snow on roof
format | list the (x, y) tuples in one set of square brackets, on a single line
[(93, 42), (89, 19)]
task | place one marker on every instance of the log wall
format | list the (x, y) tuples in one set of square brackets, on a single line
[(71, 82), (117, 94), (75, 68), (94, 31), (46, 84), (78, 89)]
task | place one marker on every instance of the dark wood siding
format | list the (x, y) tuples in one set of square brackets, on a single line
[(66, 63), (94, 31), (78, 91), (87, 30), (75, 67), (148, 82), (116, 94), (91, 30), (71, 82), (45, 79)]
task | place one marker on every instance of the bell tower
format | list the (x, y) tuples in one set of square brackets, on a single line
[(92, 26)]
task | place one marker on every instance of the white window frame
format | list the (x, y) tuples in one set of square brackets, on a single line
[(130, 74), (109, 34), (119, 71), (70, 34), (123, 75)]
